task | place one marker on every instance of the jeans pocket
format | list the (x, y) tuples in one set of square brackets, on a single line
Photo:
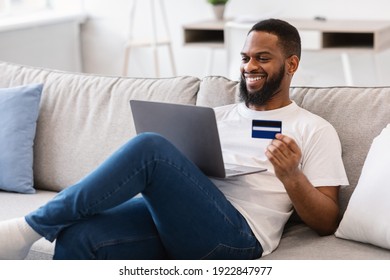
[(225, 252)]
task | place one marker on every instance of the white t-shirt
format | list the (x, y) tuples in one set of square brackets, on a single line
[(261, 198)]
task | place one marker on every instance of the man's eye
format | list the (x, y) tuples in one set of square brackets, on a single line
[(263, 59), (244, 59)]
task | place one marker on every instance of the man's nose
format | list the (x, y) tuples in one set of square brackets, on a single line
[(251, 65)]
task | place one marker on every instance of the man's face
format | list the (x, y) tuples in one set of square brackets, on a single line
[(262, 68)]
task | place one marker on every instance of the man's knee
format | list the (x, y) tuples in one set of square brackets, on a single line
[(152, 141)]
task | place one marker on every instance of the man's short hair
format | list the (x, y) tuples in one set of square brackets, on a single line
[(288, 36)]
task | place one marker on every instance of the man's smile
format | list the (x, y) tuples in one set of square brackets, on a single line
[(254, 81)]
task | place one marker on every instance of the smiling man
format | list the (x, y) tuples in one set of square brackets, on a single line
[(304, 162), (270, 57), (183, 214)]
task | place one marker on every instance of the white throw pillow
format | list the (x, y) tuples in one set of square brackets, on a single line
[(367, 216)]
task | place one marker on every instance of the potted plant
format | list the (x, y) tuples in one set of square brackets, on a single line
[(218, 7), (217, 2)]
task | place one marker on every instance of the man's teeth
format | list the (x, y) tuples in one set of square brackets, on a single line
[(254, 79)]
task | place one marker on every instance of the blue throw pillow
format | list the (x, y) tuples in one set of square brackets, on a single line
[(19, 108)]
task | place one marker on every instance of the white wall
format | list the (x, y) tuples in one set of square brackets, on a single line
[(104, 35)]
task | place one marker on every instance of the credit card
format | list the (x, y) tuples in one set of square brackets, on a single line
[(266, 129)]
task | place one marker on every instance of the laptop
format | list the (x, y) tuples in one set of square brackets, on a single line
[(193, 130)]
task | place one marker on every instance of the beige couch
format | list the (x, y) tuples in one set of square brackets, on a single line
[(83, 118)]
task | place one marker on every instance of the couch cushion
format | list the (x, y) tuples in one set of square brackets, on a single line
[(19, 108), (301, 243), (217, 91), (16, 205), (84, 118)]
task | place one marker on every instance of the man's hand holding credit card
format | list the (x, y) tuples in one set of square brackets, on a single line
[(266, 129)]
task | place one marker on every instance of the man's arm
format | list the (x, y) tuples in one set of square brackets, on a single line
[(317, 207)]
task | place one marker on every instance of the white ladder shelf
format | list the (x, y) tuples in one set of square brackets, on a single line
[(154, 42)]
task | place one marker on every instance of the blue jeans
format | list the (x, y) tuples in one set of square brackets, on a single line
[(180, 213)]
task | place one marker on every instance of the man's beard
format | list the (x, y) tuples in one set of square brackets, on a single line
[(263, 95)]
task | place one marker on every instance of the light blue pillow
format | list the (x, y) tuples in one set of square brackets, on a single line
[(19, 108)]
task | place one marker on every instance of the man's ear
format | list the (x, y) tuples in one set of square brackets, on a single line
[(292, 64)]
